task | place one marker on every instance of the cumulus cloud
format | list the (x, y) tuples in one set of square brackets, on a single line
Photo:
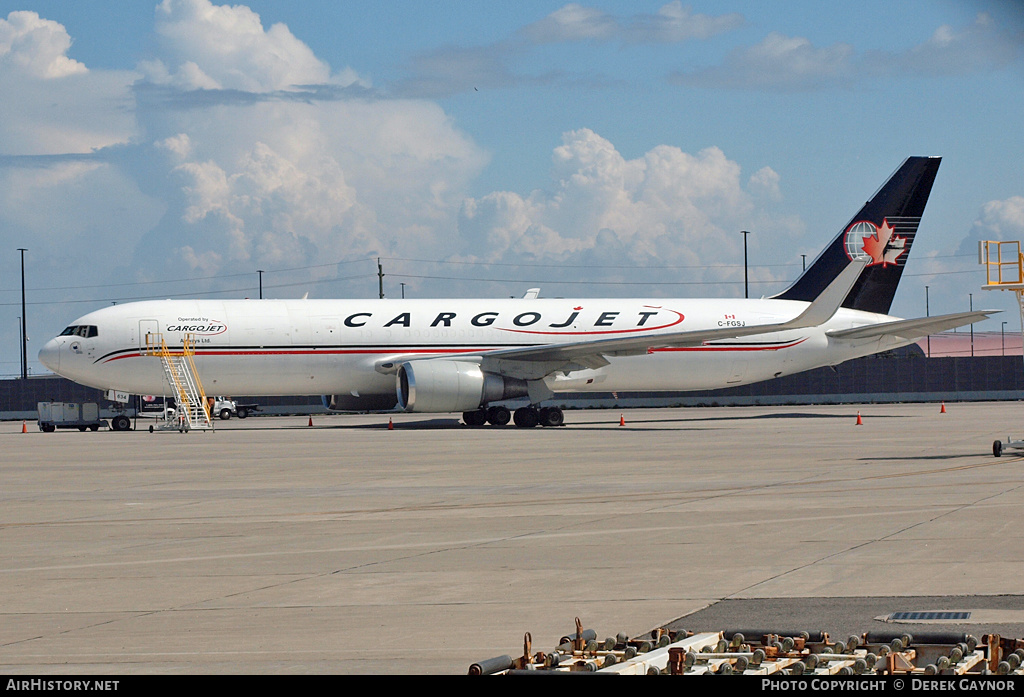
[(999, 220), (52, 103), (36, 46), (765, 182), (218, 169), (666, 206), (282, 183), (207, 46)]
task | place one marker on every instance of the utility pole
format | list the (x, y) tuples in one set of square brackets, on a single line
[(24, 323), (403, 290), (746, 283), (380, 278), (260, 272), (803, 259)]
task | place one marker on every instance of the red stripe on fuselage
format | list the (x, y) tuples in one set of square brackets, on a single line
[(433, 352)]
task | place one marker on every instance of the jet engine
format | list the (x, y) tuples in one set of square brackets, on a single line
[(449, 386)]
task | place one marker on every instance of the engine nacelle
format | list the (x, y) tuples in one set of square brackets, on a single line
[(442, 386)]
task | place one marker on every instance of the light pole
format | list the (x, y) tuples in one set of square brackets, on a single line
[(746, 283), (260, 272), (927, 313), (19, 334), (1002, 336), (24, 323), (403, 290), (970, 297), (803, 262)]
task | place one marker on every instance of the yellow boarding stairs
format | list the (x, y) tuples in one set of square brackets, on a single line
[(1004, 270), (180, 371)]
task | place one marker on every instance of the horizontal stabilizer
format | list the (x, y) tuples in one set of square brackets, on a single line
[(910, 329)]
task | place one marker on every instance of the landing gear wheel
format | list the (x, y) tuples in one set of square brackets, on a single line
[(997, 448), (526, 417), (551, 416), (475, 418), (499, 416), (122, 423)]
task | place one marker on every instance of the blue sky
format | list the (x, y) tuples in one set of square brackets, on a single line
[(481, 148)]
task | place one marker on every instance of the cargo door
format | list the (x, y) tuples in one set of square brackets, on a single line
[(147, 326)]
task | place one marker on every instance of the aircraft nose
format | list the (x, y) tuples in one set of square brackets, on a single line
[(49, 355)]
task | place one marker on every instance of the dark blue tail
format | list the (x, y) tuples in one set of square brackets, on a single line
[(882, 232)]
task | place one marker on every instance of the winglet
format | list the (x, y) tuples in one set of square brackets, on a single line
[(826, 305)]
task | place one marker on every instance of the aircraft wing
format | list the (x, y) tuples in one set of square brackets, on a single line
[(910, 329), (547, 358)]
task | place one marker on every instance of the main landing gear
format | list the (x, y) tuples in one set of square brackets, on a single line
[(524, 417)]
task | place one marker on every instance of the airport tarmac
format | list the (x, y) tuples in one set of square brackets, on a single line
[(275, 547)]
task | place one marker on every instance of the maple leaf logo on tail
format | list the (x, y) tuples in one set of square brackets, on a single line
[(865, 240)]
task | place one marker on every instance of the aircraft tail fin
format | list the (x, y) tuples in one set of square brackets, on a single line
[(881, 234)]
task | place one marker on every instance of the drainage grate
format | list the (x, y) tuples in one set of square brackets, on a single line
[(930, 615)]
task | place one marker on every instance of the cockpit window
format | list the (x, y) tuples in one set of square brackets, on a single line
[(86, 331)]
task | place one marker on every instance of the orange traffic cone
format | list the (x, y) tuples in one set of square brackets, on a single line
[(859, 421), (310, 419), (943, 409), (391, 425), (622, 420), (24, 427)]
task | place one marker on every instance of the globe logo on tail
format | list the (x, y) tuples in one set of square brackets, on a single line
[(874, 244)]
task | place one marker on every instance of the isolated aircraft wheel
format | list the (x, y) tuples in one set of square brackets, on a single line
[(526, 417), (997, 448), (551, 416), (499, 416)]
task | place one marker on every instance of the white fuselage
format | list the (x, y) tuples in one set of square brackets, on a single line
[(305, 347)]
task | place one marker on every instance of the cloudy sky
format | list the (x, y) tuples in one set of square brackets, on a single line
[(481, 148)]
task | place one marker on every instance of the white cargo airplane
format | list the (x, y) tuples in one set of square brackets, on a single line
[(467, 355)]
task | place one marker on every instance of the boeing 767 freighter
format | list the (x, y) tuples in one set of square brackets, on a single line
[(470, 356)]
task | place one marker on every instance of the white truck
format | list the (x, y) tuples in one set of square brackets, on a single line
[(225, 408)]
